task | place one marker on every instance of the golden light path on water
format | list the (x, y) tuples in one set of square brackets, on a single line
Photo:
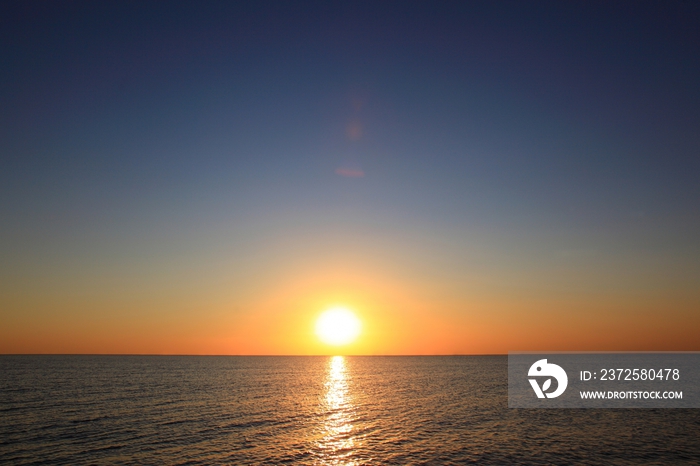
[(337, 443)]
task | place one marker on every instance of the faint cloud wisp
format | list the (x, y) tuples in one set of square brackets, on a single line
[(349, 172)]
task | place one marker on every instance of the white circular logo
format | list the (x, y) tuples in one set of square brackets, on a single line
[(542, 369)]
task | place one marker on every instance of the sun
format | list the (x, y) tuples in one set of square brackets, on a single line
[(338, 326)]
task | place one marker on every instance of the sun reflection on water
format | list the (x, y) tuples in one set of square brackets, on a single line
[(338, 443)]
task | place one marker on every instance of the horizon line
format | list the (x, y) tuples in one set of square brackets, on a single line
[(248, 355)]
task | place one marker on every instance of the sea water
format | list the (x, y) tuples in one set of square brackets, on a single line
[(402, 410)]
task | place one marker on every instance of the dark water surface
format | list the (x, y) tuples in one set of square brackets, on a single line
[(309, 410)]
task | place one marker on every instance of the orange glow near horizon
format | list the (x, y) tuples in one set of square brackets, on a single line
[(399, 313)]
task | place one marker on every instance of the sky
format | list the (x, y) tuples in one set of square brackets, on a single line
[(467, 177)]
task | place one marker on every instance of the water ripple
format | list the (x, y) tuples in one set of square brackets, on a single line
[(310, 411)]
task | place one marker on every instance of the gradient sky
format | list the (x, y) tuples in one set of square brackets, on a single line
[(469, 177)]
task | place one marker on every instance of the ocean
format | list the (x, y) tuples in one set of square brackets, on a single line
[(191, 410)]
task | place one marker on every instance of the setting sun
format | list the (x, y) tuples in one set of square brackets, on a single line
[(338, 326)]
